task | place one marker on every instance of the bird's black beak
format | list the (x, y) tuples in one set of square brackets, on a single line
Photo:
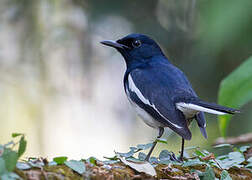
[(114, 44)]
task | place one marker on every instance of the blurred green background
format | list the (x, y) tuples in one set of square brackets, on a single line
[(64, 90)]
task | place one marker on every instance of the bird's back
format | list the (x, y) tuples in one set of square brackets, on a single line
[(163, 76)]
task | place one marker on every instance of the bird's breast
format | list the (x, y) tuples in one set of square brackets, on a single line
[(146, 117)]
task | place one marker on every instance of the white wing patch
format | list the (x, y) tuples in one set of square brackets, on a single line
[(189, 113), (134, 89), (189, 108)]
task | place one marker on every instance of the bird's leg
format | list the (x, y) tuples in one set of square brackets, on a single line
[(182, 150), (161, 131)]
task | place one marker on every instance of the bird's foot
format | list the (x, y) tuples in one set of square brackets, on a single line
[(181, 159), (147, 158), (174, 158)]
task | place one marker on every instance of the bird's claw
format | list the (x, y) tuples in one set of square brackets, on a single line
[(174, 158)]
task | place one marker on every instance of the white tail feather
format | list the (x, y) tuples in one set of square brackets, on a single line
[(194, 107)]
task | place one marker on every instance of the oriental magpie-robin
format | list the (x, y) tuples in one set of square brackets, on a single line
[(159, 91)]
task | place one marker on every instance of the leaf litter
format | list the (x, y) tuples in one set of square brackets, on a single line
[(201, 165)]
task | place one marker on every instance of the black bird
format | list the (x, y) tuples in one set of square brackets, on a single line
[(159, 91)]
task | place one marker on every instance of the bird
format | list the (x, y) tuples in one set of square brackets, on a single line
[(159, 91)]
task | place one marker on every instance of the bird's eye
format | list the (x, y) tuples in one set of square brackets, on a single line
[(136, 43)]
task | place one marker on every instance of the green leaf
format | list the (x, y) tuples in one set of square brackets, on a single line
[(22, 146), (141, 156), (2, 166), (10, 157), (23, 166), (164, 155), (209, 174), (244, 148), (223, 145), (235, 91), (237, 157), (52, 163), (1, 150), (199, 153), (10, 176), (249, 159), (191, 147), (226, 163), (144, 146), (169, 162), (221, 157), (92, 160), (164, 141), (36, 163), (233, 159), (132, 159), (110, 162), (153, 160), (206, 152), (77, 166), (249, 165), (197, 171), (192, 163), (111, 158), (16, 134), (60, 160), (126, 155), (225, 175), (11, 143), (134, 149)]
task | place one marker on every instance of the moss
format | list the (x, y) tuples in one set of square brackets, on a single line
[(120, 171), (58, 172)]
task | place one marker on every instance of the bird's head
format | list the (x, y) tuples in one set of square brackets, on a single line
[(136, 48)]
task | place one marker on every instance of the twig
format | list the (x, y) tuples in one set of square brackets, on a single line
[(242, 139)]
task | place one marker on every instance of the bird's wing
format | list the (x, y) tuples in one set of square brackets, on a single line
[(152, 90), (186, 98)]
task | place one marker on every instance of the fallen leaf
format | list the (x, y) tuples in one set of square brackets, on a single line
[(223, 145), (144, 146), (23, 166), (192, 163), (209, 157), (225, 175), (144, 166), (77, 166), (208, 174)]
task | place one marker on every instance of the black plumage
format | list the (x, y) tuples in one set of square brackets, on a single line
[(160, 92)]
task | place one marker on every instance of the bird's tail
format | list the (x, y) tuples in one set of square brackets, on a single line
[(201, 107), (208, 107), (215, 107)]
